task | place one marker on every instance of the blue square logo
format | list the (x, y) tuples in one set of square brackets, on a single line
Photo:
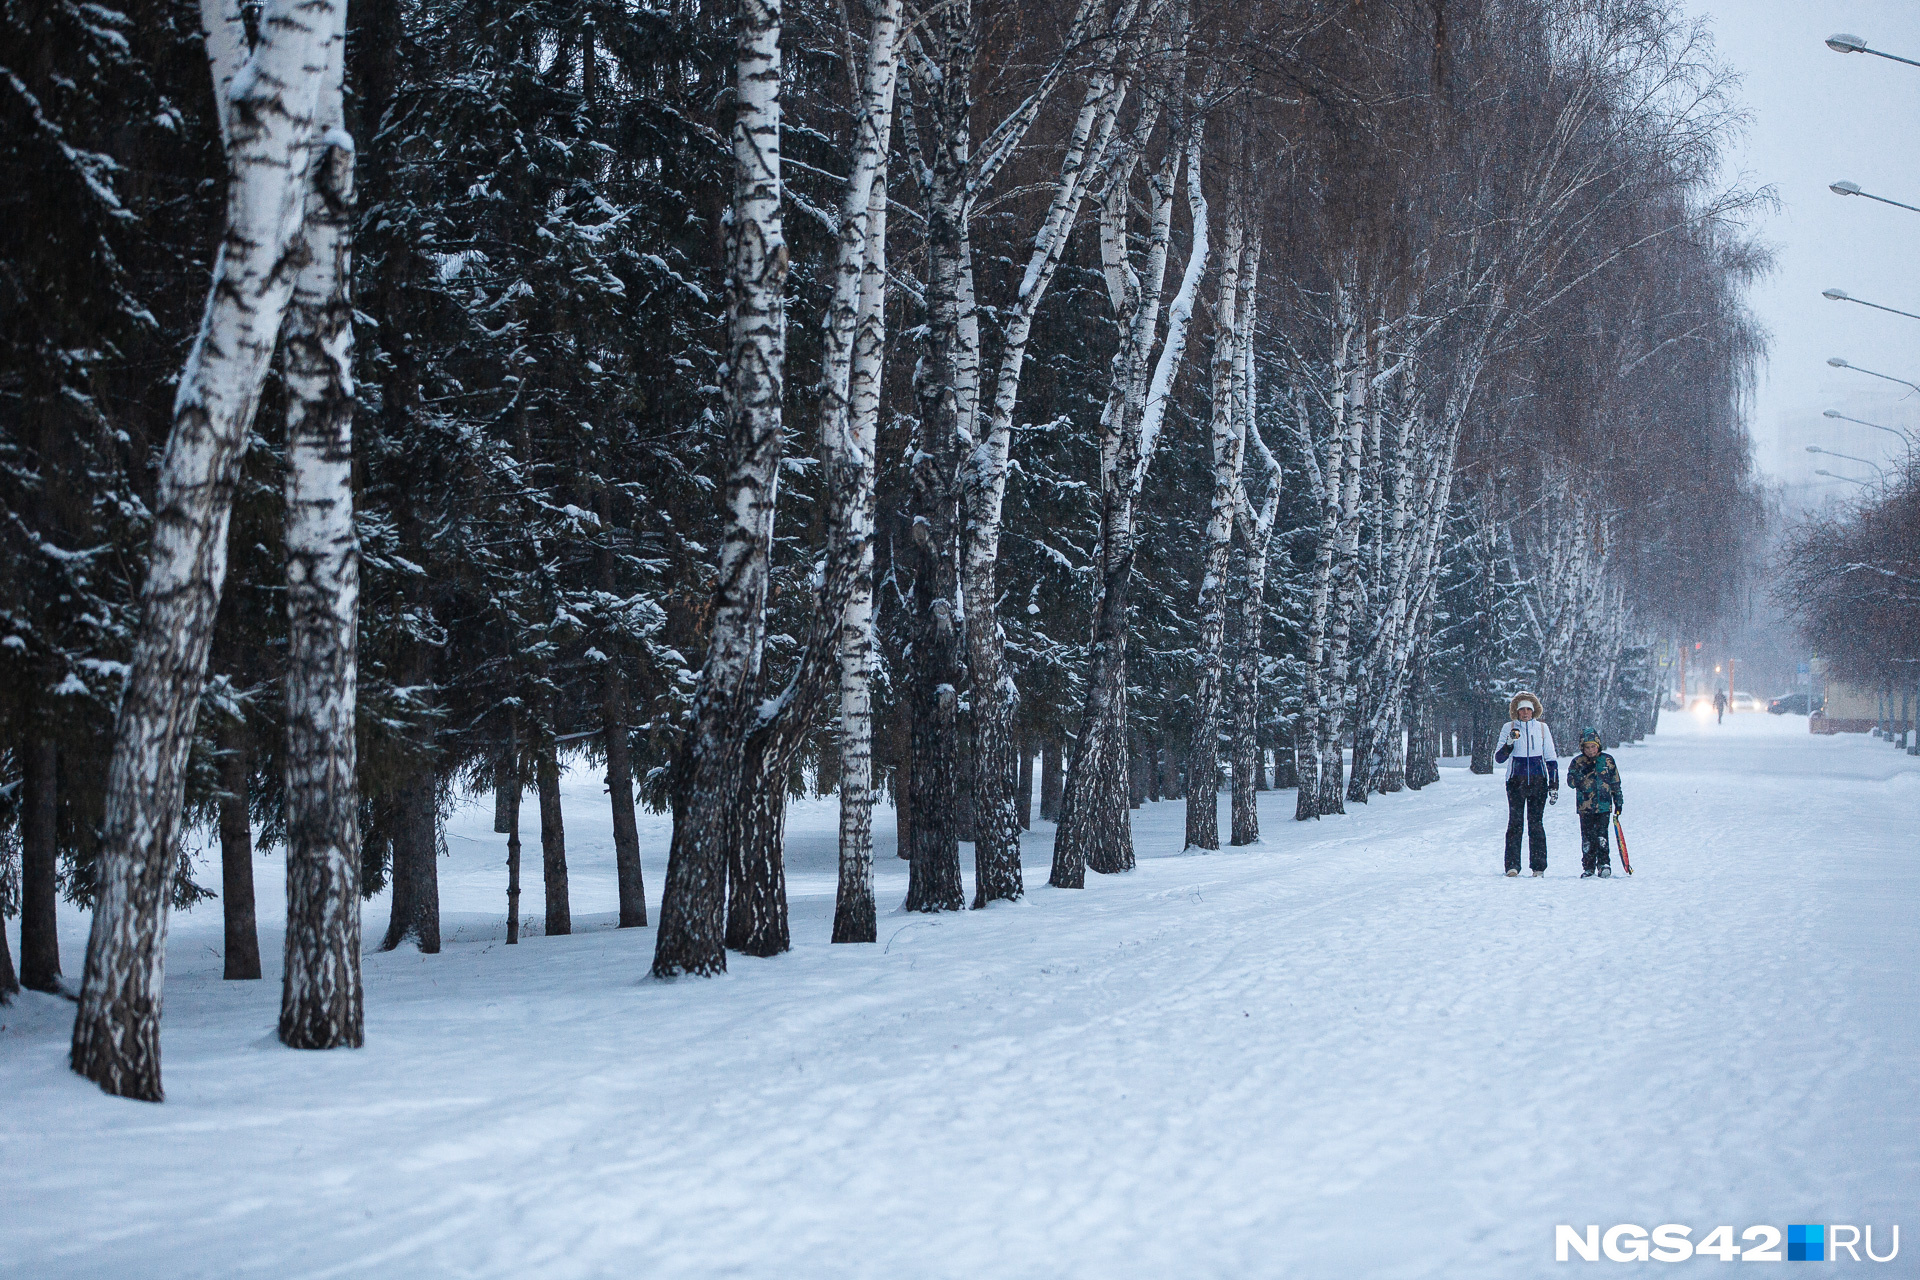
[(1806, 1243)]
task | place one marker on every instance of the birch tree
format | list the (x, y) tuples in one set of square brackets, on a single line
[(270, 100), (757, 907), (321, 998), (1095, 826), (995, 700), (691, 938), (1229, 435)]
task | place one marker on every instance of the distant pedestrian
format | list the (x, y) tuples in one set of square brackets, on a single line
[(1719, 705), (1595, 779), (1533, 779)]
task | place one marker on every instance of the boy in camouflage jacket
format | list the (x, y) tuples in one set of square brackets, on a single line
[(1595, 780)]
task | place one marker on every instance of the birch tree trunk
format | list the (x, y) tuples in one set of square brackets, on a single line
[(268, 107), (1095, 825), (757, 901), (692, 936), (854, 913), (320, 994), (946, 385), (995, 700), (1256, 532), (1248, 766), (1345, 573), (1318, 745), (1229, 445)]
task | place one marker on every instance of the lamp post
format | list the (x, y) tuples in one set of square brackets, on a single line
[(1840, 42), (1838, 416), (1835, 453), (1841, 295), (1845, 188), (1833, 476), (1840, 363)]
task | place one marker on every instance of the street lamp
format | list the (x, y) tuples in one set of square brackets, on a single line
[(1839, 363), (1851, 480), (1835, 413), (1841, 295), (1843, 43), (1835, 453), (1845, 188)]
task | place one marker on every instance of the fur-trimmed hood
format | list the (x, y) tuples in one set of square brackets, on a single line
[(1525, 697)]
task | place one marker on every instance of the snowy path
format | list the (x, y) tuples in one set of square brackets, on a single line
[(1357, 1050)]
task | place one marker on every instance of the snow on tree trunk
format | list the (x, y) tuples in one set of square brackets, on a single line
[(692, 937), (1229, 446), (39, 867), (1318, 747), (1095, 825), (268, 108), (947, 388), (240, 958), (757, 920), (320, 997), (1337, 707), (1256, 533), (995, 700)]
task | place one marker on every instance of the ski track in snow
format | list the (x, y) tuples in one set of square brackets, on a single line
[(1354, 1050)]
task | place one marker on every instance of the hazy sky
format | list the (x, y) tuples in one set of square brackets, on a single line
[(1818, 117)]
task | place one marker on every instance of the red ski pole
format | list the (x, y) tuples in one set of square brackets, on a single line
[(1620, 838)]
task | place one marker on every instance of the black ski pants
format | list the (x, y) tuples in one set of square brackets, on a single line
[(1527, 801), (1594, 853)]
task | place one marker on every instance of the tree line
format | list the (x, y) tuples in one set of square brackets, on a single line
[(910, 402), (1850, 580)]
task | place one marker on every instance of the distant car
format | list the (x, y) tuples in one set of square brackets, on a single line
[(1745, 702), (1791, 704)]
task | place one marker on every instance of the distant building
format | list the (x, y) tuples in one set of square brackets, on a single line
[(1851, 708)]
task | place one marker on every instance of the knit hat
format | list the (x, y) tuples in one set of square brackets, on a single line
[(1513, 706), (1589, 735)]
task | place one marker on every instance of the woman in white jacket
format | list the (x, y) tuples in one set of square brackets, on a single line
[(1533, 779)]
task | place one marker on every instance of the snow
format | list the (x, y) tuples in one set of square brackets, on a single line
[(1355, 1050)]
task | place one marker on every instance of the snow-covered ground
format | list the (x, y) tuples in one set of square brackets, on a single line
[(1354, 1050)]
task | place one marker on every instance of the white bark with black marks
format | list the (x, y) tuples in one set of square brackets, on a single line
[(691, 938), (995, 700), (1095, 824), (1228, 437), (269, 106), (321, 1001)]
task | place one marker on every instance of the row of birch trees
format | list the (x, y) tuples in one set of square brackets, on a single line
[(884, 397)]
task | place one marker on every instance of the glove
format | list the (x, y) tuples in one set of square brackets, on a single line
[(1553, 796)]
